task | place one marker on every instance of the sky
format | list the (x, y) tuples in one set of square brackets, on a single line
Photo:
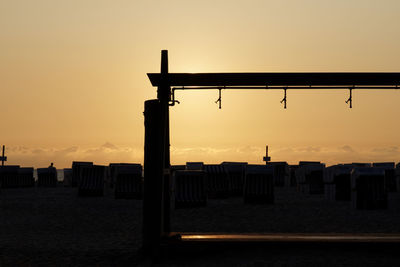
[(73, 79)]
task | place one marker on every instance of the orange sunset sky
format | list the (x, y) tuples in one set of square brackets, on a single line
[(73, 79)]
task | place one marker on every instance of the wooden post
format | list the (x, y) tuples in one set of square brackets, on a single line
[(156, 201), (153, 176), (266, 158), (164, 95), (3, 158)]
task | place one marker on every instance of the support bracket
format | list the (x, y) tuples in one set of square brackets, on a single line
[(219, 100), (284, 98), (350, 100), (173, 101)]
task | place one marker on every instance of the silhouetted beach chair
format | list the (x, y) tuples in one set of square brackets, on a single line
[(281, 173), (190, 189), (368, 188), (91, 181), (342, 180), (111, 174), (259, 184), (25, 177), (173, 169), (300, 172), (337, 181), (128, 181), (236, 174), (310, 177), (9, 176), (217, 181), (47, 177), (292, 173), (394, 197), (76, 170), (67, 177), (329, 184), (390, 175)]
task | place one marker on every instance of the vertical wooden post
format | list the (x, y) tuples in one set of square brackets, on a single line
[(164, 95), (3, 158), (153, 174), (156, 202), (266, 158)]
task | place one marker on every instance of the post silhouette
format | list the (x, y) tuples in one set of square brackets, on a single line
[(153, 176), (156, 202), (164, 96), (3, 158), (266, 158)]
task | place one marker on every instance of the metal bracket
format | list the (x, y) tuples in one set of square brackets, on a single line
[(284, 98), (219, 100), (350, 100), (173, 101)]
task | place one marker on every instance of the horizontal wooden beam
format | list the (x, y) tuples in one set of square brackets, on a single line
[(279, 79), (285, 238)]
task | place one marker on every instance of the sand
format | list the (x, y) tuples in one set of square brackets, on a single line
[(292, 212), (53, 227)]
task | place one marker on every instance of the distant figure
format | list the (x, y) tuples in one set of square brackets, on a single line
[(51, 165)]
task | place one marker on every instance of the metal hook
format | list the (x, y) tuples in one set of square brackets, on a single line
[(173, 101), (219, 100), (350, 100), (284, 98)]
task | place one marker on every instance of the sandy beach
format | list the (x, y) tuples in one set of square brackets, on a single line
[(54, 227)]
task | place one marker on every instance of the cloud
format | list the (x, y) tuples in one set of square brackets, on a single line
[(308, 149), (347, 148), (109, 146), (72, 149), (180, 155), (386, 150), (250, 150), (63, 157), (108, 153), (254, 154), (37, 151)]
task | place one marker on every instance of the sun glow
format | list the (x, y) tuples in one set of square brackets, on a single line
[(82, 82)]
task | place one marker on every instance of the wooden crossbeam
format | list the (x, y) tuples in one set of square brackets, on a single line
[(285, 237), (279, 79)]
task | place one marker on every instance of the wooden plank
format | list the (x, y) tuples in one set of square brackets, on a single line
[(286, 238), (279, 79)]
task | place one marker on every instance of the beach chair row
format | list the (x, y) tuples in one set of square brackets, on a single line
[(367, 186), (91, 180), (128, 181), (194, 183), (16, 177), (20, 177), (191, 184), (227, 179), (47, 177)]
